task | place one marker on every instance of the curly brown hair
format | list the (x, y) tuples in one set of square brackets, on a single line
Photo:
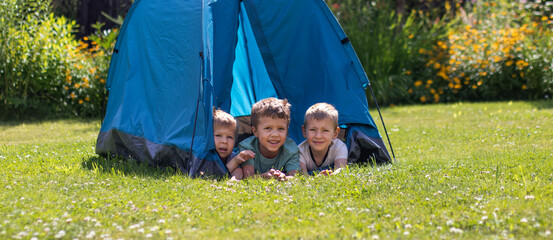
[(271, 107)]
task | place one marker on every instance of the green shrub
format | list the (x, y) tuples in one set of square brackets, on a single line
[(43, 69), (34, 49), (387, 43)]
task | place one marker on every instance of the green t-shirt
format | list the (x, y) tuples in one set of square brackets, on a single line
[(288, 158)]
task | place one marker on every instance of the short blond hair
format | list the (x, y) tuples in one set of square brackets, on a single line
[(225, 120), (321, 111), (271, 107)]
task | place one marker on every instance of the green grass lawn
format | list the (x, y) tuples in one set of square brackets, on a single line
[(463, 171)]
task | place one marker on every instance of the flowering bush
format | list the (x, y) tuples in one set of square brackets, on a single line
[(85, 77), (498, 51)]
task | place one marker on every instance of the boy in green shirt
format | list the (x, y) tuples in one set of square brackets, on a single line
[(269, 153)]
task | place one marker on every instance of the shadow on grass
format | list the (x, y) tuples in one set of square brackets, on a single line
[(543, 104), (10, 122), (126, 167)]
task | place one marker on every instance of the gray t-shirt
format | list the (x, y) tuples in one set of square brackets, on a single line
[(288, 158), (337, 150)]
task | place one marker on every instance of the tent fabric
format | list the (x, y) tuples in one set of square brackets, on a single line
[(175, 60)]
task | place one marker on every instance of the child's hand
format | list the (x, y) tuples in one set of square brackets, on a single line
[(244, 156), (326, 172), (276, 174)]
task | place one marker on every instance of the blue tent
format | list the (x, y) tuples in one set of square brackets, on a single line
[(175, 60)]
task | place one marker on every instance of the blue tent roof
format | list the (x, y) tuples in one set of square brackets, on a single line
[(174, 60)]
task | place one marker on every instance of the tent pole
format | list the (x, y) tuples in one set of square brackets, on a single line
[(382, 120), (201, 54)]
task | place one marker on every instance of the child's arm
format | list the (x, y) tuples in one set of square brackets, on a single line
[(239, 159), (303, 168), (341, 155), (249, 170), (292, 173), (340, 163), (237, 173)]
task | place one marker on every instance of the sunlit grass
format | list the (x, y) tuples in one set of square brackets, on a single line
[(465, 170)]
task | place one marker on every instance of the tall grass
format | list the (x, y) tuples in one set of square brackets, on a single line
[(464, 171)]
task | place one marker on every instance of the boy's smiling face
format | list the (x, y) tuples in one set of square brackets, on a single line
[(271, 133), (224, 140), (320, 133)]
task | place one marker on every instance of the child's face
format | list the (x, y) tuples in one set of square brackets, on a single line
[(271, 133), (224, 140), (319, 134)]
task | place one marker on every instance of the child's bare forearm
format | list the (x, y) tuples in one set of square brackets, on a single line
[(239, 159), (340, 163), (237, 173)]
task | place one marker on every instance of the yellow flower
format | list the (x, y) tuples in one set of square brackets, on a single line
[(418, 83), (85, 79), (442, 74), (85, 38), (77, 85), (521, 74), (458, 86), (72, 95), (474, 86), (66, 88), (479, 83), (87, 99), (410, 91), (432, 90), (429, 81), (524, 87), (436, 97), (81, 102), (437, 65), (408, 72), (450, 85), (423, 99), (422, 51), (102, 80), (411, 36), (544, 18), (509, 63), (68, 78), (482, 73)]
